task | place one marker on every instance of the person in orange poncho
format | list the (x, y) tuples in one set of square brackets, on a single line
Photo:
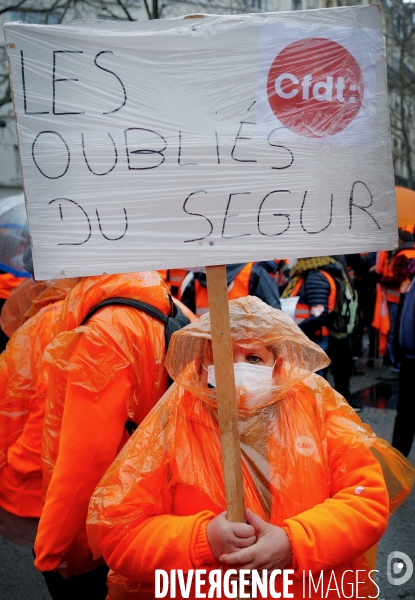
[(313, 483), (22, 404), (104, 377)]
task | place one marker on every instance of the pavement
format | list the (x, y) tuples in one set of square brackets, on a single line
[(376, 389)]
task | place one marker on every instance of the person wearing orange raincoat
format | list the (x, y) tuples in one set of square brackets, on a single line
[(313, 481), (22, 404), (104, 376)]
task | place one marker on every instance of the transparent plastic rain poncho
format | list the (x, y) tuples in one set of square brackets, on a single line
[(289, 440), (19, 364), (49, 291), (29, 298), (17, 304)]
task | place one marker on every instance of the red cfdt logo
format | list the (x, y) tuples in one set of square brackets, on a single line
[(315, 87)]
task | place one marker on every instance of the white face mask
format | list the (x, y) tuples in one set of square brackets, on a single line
[(254, 384), (246, 374)]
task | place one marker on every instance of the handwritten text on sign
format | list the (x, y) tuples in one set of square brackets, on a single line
[(176, 143)]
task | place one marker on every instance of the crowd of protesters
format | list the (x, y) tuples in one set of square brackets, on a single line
[(376, 286), (87, 361)]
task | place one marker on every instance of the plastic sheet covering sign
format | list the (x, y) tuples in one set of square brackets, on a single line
[(203, 141)]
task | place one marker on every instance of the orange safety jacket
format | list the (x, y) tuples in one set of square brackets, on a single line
[(22, 407), (302, 310), (393, 294), (381, 320), (384, 295), (173, 278), (101, 374), (238, 288), (8, 283)]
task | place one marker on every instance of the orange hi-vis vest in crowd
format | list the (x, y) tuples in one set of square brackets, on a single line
[(393, 294), (302, 311), (8, 283), (174, 281), (238, 288), (384, 295), (173, 278), (381, 320)]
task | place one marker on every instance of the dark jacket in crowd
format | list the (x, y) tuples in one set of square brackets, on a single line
[(315, 292), (261, 284)]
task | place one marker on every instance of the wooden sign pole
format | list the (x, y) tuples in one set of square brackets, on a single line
[(226, 392)]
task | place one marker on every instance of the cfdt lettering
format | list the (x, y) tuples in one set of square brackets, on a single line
[(315, 87)]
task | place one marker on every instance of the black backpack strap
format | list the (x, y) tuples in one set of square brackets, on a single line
[(147, 308), (175, 321)]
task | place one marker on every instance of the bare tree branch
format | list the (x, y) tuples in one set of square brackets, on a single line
[(12, 6), (147, 9), (6, 96), (124, 8)]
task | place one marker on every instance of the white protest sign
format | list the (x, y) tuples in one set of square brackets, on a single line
[(203, 141)]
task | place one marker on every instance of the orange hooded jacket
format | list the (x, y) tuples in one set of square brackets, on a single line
[(309, 466), (22, 403), (100, 375)]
